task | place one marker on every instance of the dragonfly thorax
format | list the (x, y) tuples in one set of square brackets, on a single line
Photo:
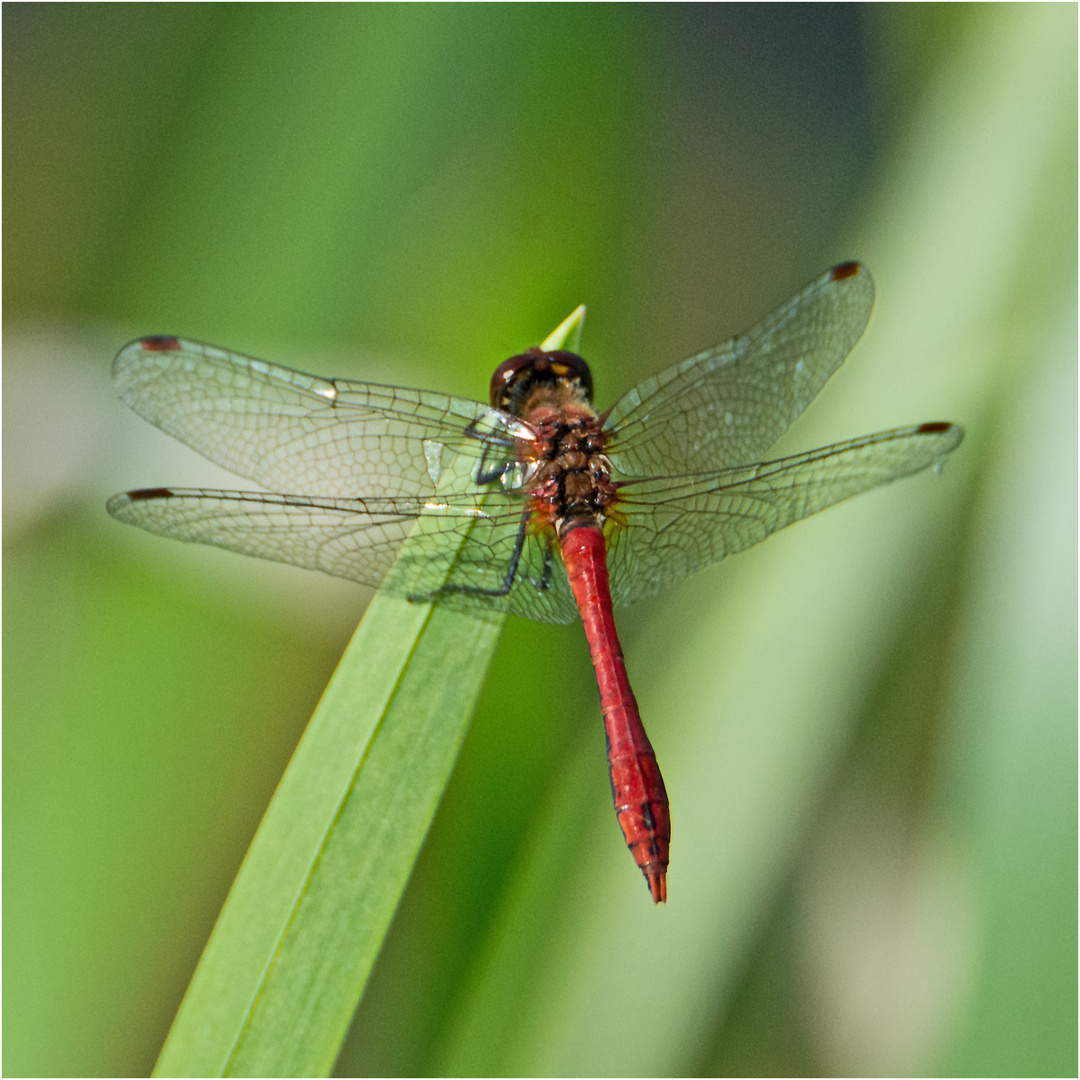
[(572, 482)]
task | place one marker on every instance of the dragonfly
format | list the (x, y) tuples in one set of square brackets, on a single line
[(532, 503)]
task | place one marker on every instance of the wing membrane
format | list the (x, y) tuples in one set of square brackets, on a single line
[(296, 432), (677, 525), (728, 405), (467, 548)]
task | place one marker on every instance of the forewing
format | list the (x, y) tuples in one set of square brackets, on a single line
[(459, 551), (294, 432), (728, 405), (677, 525)]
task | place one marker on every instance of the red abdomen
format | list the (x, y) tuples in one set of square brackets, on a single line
[(641, 802)]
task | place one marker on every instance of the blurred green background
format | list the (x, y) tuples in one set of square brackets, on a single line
[(867, 725)]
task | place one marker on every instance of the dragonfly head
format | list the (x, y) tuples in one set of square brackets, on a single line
[(560, 373)]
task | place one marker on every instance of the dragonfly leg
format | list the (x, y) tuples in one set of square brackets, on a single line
[(472, 590), (484, 474)]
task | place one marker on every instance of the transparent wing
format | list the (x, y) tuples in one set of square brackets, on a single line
[(728, 405), (677, 525), (468, 552), (294, 432)]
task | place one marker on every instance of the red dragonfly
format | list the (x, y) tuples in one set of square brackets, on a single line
[(534, 504)]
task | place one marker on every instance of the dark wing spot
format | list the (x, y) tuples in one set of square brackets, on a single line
[(844, 270), (149, 493), (933, 427), (160, 344)]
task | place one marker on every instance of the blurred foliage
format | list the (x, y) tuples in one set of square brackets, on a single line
[(867, 725)]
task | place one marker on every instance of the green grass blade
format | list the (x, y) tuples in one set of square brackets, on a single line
[(284, 969), (287, 962)]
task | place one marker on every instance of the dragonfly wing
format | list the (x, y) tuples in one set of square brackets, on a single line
[(676, 526), (470, 553), (349, 538), (296, 432), (728, 405)]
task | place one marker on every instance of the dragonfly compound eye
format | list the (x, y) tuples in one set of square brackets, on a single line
[(514, 378)]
